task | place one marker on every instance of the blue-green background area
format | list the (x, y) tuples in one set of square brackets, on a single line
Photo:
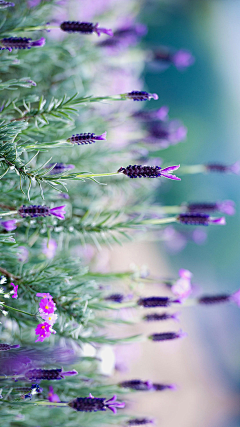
[(199, 97)]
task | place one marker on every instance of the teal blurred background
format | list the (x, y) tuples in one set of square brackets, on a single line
[(206, 97)]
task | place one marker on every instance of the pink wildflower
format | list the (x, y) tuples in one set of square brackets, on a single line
[(15, 288), (43, 330), (44, 295), (49, 318), (52, 397), (47, 306)]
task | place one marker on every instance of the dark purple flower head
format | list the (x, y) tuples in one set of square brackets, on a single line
[(139, 421), (94, 404), (137, 385), (221, 168), (6, 347), (86, 138), (140, 171), (199, 219), (156, 317), (226, 206), (15, 289), (4, 4), (59, 168), (213, 299), (47, 374), (115, 298), (151, 302), (150, 115), (84, 28), (140, 95), (166, 336), (162, 387), (11, 43), (34, 211), (9, 225)]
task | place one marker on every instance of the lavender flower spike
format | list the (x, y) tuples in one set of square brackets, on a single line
[(34, 211), (4, 4), (221, 168), (11, 43), (166, 336), (139, 171), (151, 302), (139, 95), (226, 206), (217, 299), (139, 421), (94, 404), (137, 385), (47, 374), (84, 28), (86, 138), (160, 317), (199, 219), (6, 347)]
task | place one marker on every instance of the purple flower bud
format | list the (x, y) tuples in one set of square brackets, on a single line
[(218, 167), (162, 387), (166, 336), (59, 168), (52, 397), (226, 206), (182, 59), (84, 28), (156, 302), (20, 43), (94, 404), (141, 96), (139, 421), (34, 211), (4, 4), (137, 385), (147, 116), (199, 219), (47, 374), (64, 196), (155, 317), (213, 299), (140, 171), (6, 347), (115, 298), (86, 138), (9, 225)]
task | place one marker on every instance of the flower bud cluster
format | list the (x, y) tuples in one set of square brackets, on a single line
[(46, 312)]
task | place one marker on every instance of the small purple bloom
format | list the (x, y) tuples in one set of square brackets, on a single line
[(94, 404), (199, 219), (59, 168), (52, 397), (9, 225), (15, 288), (43, 330), (47, 306), (5, 4), (44, 295), (84, 28), (64, 195), (49, 318), (86, 138), (140, 96), (137, 385), (166, 336), (49, 248), (182, 59), (221, 168), (182, 288), (139, 171), (11, 43), (34, 211)]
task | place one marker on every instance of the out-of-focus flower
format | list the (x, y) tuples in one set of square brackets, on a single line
[(50, 318), (84, 28), (164, 134), (151, 302), (59, 168), (5, 4), (155, 317), (163, 57), (6, 347), (221, 168), (52, 397), (49, 248), (124, 37), (182, 59), (220, 298), (151, 115), (22, 254), (140, 421), (225, 206), (182, 288), (11, 43), (15, 289), (166, 336), (9, 225)]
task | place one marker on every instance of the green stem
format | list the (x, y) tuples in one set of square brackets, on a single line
[(158, 221), (93, 175), (6, 377), (192, 169), (20, 311), (47, 403), (37, 28), (8, 213)]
